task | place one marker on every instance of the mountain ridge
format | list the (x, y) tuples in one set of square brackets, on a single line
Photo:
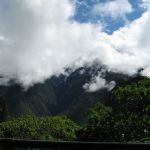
[(59, 95)]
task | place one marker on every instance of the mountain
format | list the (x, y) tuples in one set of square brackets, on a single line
[(74, 101), (57, 95)]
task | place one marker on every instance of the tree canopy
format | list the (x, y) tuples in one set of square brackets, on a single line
[(39, 128), (126, 119)]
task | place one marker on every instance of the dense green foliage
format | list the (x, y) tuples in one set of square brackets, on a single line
[(43, 128), (98, 126), (127, 119)]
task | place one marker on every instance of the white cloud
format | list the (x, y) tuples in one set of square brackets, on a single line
[(43, 39), (129, 46), (38, 39), (113, 8), (145, 4), (146, 72), (97, 83)]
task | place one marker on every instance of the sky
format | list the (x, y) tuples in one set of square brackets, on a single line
[(95, 11), (41, 38)]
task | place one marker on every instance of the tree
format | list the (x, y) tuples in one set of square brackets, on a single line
[(126, 119), (43, 128), (98, 126)]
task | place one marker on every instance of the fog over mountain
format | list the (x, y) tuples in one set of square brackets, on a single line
[(60, 95), (41, 38)]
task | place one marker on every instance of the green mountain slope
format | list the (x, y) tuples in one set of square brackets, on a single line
[(58, 95)]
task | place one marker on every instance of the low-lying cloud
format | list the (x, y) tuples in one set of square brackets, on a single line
[(39, 38), (98, 82)]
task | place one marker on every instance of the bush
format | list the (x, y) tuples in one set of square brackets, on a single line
[(42, 128)]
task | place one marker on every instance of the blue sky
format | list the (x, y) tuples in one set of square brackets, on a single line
[(84, 14)]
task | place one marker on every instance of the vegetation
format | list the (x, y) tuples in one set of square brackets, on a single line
[(43, 128), (98, 126), (127, 119)]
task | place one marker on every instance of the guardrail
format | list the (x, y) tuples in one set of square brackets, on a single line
[(14, 144)]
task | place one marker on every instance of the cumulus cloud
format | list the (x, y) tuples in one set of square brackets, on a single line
[(39, 38), (129, 46), (114, 8)]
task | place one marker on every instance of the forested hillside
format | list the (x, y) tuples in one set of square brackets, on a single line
[(57, 95), (123, 117)]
